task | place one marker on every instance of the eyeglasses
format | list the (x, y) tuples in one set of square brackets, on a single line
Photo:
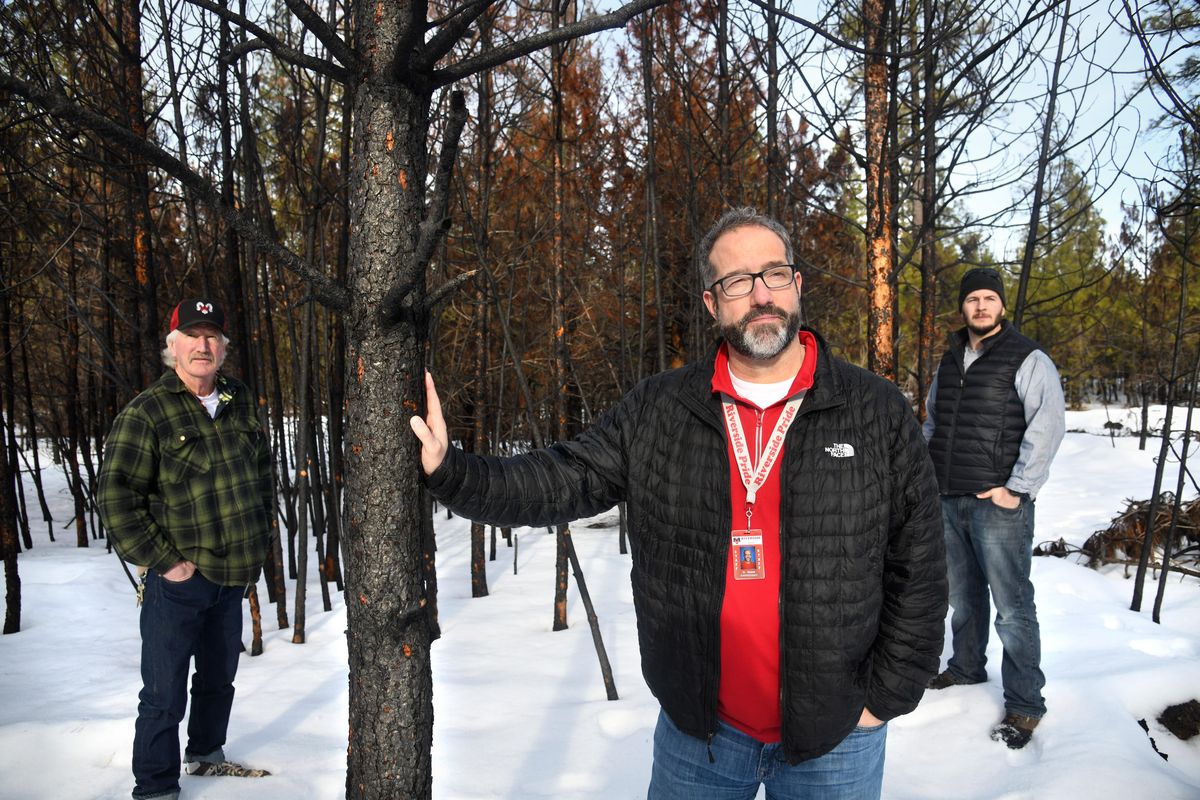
[(742, 284)]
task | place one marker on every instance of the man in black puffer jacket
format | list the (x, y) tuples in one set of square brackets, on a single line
[(788, 566)]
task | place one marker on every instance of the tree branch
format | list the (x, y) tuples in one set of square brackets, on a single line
[(1180, 109), (448, 33), (449, 287), (272, 43), (58, 105), (437, 219), (325, 34), (501, 55)]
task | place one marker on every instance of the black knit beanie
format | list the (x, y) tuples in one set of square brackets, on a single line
[(981, 278)]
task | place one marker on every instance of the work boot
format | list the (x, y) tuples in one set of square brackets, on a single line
[(946, 679), (224, 768), (1015, 730), (215, 763)]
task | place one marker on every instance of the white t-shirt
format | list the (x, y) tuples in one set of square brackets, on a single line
[(211, 401), (763, 395)]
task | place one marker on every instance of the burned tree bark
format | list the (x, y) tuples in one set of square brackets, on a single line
[(880, 252)]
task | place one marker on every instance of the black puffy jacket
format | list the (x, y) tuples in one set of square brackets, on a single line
[(864, 586), (980, 417)]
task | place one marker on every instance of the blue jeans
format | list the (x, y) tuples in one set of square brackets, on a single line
[(180, 620), (989, 546), (683, 770)]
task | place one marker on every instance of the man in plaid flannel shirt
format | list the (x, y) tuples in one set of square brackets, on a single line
[(185, 493)]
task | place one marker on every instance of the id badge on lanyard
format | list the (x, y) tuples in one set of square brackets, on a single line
[(747, 544)]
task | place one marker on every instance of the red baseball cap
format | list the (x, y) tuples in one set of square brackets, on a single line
[(196, 311)]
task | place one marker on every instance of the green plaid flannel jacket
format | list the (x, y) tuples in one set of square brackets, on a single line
[(176, 484)]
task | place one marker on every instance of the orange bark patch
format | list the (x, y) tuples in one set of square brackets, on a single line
[(411, 405), (362, 370), (403, 178), (362, 600), (407, 651), (141, 251), (391, 141)]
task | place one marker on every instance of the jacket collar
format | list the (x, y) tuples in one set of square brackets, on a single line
[(697, 382), (722, 380), (226, 389), (960, 338)]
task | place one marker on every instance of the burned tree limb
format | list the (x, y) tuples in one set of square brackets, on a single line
[(539, 41), (332, 294), (264, 40), (437, 221)]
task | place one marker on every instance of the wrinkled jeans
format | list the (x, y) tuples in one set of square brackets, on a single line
[(180, 620), (992, 547), (683, 771)]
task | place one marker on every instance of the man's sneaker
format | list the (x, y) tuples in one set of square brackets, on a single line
[(223, 768), (1015, 730), (946, 679)]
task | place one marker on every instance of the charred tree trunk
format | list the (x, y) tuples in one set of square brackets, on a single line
[(928, 217), (303, 459), (9, 407), (1035, 211), (34, 445), (129, 19), (877, 16), (558, 314), (649, 237), (71, 409), (389, 632), (480, 394), (479, 581), (1169, 539), (1139, 579), (774, 159), (9, 547)]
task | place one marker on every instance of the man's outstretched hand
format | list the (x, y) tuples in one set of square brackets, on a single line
[(431, 430)]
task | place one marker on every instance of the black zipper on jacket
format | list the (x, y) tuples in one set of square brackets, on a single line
[(711, 692), (789, 456)]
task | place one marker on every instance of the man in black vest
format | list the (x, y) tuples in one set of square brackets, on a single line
[(995, 420)]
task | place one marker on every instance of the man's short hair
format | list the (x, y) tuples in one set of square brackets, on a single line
[(733, 219), (168, 359)]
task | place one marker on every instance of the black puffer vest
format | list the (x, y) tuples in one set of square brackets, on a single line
[(980, 419)]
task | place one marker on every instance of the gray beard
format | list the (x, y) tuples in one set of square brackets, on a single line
[(767, 342)]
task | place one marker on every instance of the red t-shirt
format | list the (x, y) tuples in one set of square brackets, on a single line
[(748, 697)]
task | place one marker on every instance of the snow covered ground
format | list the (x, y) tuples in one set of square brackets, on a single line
[(520, 711)]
